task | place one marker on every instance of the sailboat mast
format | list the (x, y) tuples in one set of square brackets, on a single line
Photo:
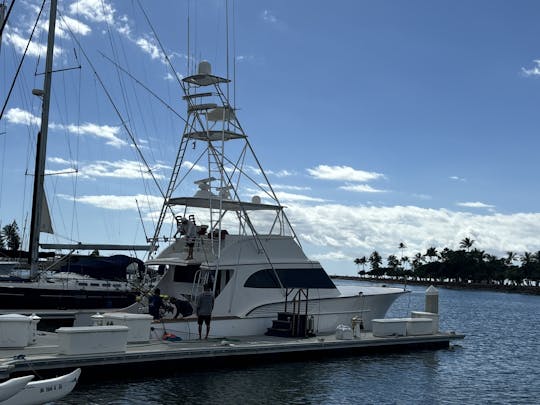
[(39, 171)]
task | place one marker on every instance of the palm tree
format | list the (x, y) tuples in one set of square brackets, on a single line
[(431, 252), (510, 257), (392, 261), (402, 247), (375, 260), (363, 262), (466, 243), (10, 236), (417, 261), (404, 259)]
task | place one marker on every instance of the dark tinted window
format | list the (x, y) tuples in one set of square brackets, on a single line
[(305, 278), (262, 279), (290, 278), (185, 274)]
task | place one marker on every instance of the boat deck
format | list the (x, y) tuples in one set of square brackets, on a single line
[(43, 358)]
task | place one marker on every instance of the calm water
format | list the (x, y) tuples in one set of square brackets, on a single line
[(498, 362)]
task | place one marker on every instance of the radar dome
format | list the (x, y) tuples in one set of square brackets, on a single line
[(205, 68)]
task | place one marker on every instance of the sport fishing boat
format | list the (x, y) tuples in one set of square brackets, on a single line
[(245, 246)]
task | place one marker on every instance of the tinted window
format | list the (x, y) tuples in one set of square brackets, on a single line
[(262, 279), (185, 274), (290, 278), (305, 278)]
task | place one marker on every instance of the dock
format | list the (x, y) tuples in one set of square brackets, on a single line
[(44, 357)]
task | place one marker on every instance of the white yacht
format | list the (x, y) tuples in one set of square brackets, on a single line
[(245, 247)]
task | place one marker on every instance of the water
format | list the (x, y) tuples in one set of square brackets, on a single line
[(497, 363)]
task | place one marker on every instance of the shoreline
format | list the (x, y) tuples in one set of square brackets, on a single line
[(532, 290)]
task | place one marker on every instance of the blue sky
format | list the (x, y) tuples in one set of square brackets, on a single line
[(379, 122)]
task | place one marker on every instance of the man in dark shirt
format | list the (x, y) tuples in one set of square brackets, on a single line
[(155, 302), (205, 305)]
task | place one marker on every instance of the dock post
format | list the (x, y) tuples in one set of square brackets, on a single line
[(432, 300)]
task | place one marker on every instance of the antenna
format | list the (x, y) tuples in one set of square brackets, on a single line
[(188, 72), (227, 40)]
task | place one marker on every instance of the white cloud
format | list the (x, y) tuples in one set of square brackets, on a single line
[(457, 178), (269, 17), (116, 202), (66, 24), (19, 43), (343, 173), (280, 173), (106, 132), (125, 169), (191, 166), (19, 116), (94, 10), (59, 160), (284, 197), (288, 187), (361, 188), (475, 204), (355, 231), (149, 47), (534, 71)]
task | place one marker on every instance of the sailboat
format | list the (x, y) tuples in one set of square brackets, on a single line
[(71, 281), (244, 246)]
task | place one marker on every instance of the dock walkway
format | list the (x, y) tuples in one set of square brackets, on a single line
[(43, 358)]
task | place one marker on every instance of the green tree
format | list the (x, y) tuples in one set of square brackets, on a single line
[(375, 260), (10, 236)]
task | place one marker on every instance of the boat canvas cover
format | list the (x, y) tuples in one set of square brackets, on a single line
[(104, 268)]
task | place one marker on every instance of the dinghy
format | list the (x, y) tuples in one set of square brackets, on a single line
[(42, 391), (12, 386)]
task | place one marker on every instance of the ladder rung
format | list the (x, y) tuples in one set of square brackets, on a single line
[(199, 107), (195, 95)]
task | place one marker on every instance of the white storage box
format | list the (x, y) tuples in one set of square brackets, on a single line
[(419, 326), (344, 332), (428, 315), (389, 327), (138, 324), (15, 330), (92, 339)]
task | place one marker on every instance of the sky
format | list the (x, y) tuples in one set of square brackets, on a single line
[(378, 122)]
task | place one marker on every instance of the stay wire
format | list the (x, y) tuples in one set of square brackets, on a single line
[(109, 97), (6, 17), (22, 60)]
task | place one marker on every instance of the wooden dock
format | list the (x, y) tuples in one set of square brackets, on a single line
[(43, 358)]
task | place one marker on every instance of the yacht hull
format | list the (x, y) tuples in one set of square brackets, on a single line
[(327, 314), (22, 297)]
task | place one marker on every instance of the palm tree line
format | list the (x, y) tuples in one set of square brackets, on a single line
[(463, 266)]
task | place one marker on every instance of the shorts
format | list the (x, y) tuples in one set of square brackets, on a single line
[(190, 244), (204, 318)]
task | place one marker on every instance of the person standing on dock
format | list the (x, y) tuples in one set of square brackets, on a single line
[(205, 305), (155, 302)]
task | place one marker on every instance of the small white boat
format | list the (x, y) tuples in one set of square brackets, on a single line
[(42, 391), (12, 386)]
